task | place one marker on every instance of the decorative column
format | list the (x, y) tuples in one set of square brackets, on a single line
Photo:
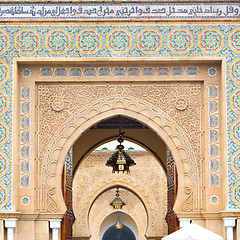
[(10, 224), (171, 218), (184, 222), (229, 223), (67, 178), (55, 225)]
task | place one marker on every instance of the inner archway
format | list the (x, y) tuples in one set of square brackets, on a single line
[(135, 214), (109, 230), (108, 129), (93, 164), (120, 234)]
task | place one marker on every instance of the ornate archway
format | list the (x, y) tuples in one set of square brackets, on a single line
[(154, 118)]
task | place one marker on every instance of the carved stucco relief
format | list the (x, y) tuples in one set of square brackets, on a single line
[(180, 101), (170, 103)]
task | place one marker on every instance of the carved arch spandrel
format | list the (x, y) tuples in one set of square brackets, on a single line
[(154, 118)]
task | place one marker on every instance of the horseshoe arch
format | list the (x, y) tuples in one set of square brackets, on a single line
[(157, 120)]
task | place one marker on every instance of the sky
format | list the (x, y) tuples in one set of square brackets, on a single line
[(113, 144)]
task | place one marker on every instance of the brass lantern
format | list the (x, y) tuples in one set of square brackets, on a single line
[(120, 161), (117, 203), (118, 224)]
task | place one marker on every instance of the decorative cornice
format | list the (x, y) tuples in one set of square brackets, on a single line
[(31, 216), (9, 215), (230, 214), (199, 215)]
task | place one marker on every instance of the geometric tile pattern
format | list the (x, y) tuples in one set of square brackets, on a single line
[(213, 136), (122, 41), (25, 137)]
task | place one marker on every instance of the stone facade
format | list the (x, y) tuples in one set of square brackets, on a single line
[(66, 67)]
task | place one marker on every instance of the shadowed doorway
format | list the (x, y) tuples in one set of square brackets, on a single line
[(121, 234)]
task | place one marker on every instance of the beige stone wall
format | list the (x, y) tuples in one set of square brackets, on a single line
[(145, 194)]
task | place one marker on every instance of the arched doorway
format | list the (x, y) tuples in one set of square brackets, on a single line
[(119, 234), (108, 129), (158, 123), (119, 225)]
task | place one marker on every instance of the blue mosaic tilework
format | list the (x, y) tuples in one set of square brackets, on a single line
[(120, 41), (213, 131), (25, 136)]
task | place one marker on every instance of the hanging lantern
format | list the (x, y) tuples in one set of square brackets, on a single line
[(120, 161), (117, 202), (118, 224)]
